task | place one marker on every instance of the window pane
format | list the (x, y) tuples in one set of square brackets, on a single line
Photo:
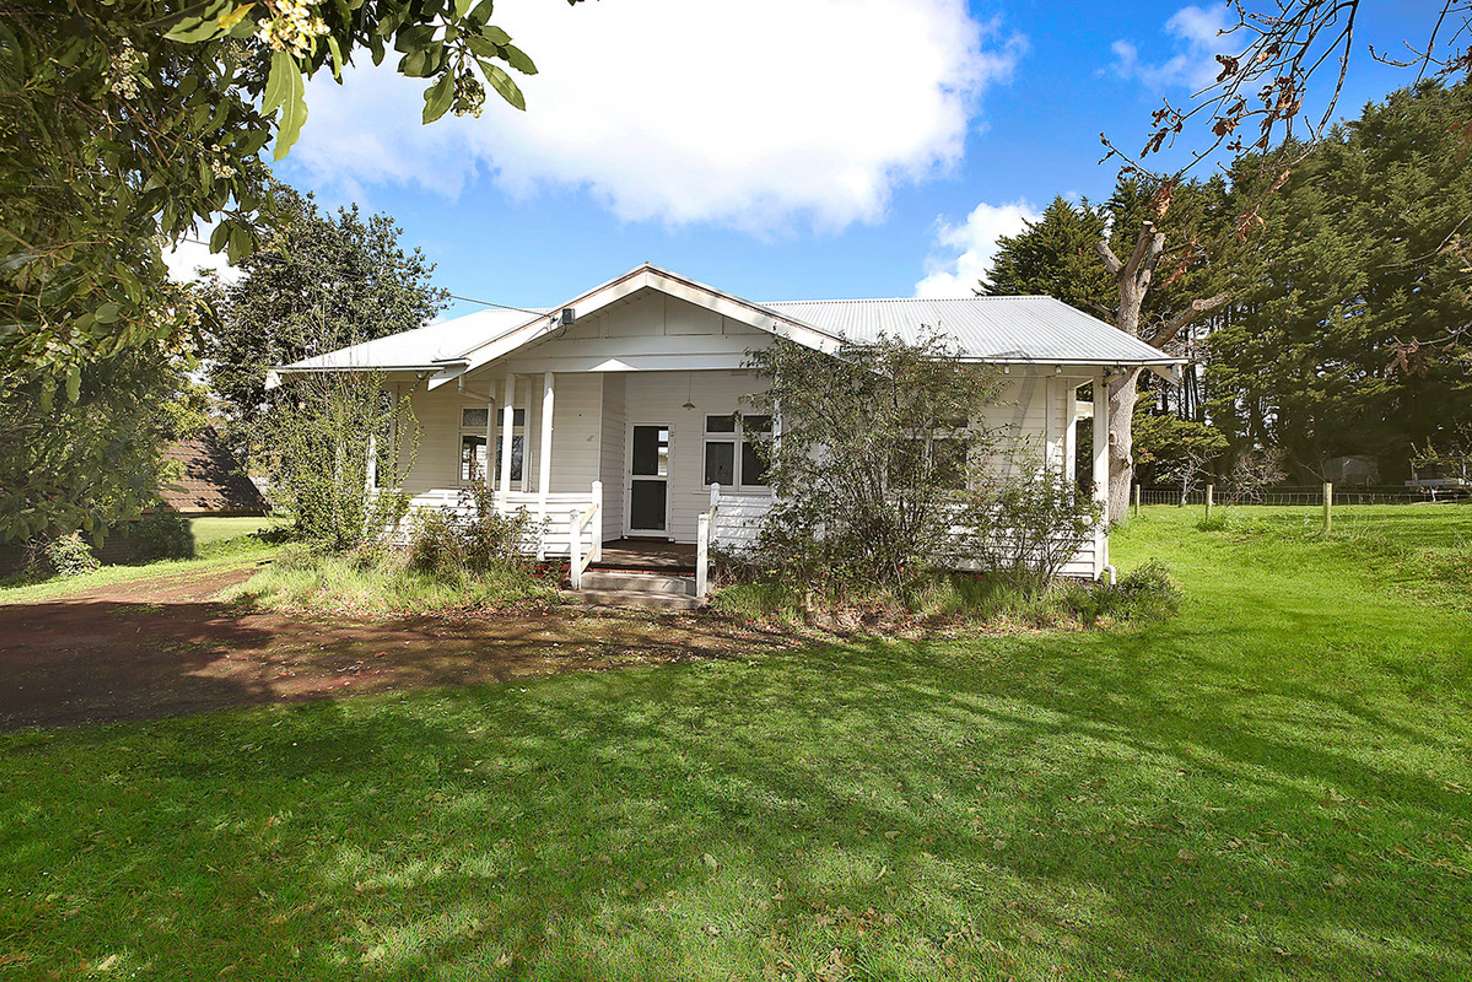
[(720, 463), (651, 451), (948, 458), (753, 464), (518, 417), (756, 424), (474, 419), (472, 458), (516, 448), (720, 424)]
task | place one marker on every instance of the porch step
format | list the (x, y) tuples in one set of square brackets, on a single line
[(654, 591), (657, 583), (637, 598)]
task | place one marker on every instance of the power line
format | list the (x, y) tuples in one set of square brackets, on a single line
[(452, 296)]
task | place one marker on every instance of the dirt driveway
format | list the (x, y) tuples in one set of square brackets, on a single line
[(162, 647)]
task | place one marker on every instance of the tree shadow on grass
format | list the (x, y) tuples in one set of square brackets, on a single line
[(1013, 806)]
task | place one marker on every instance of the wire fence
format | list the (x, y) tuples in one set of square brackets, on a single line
[(1304, 494)]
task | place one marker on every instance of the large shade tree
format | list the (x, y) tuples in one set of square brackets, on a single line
[(316, 282), (125, 124), (1283, 66), (1154, 293)]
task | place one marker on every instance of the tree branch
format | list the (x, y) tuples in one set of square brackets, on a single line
[(1180, 321), (1107, 254), (1143, 245)]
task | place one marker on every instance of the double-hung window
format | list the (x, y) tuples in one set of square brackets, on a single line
[(474, 423), (733, 457), (518, 447), (474, 433)]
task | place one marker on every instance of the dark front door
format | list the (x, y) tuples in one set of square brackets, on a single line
[(649, 475)]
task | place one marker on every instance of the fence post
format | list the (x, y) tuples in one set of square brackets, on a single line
[(1137, 501), (1210, 493), (1328, 506)]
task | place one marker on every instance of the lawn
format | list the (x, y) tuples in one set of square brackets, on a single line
[(219, 543), (1276, 783)]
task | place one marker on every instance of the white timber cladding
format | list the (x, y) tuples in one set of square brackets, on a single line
[(611, 453)]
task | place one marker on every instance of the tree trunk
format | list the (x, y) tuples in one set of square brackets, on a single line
[(1133, 278), (1123, 393)]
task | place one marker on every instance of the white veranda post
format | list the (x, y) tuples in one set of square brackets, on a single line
[(544, 460), (1101, 470), (508, 422)]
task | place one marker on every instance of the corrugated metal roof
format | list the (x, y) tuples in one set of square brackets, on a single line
[(995, 329), (422, 346), (985, 328)]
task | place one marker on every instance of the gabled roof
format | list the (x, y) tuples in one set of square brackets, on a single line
[(425, 348), (999, 330), (211, 480)]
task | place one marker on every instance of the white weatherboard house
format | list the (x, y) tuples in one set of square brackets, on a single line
[(613, 414)]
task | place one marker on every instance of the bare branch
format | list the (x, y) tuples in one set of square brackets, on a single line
[(1107, 254), (1185, 318)]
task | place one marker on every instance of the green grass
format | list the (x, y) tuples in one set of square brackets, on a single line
[(309, 581), (218, 553), (960, 602), (1276, 783), (207, 531)]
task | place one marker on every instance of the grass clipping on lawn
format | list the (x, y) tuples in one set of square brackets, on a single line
[(383, 582)]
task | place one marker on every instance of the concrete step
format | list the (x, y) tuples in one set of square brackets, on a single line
[(636, 598), (656, 583)]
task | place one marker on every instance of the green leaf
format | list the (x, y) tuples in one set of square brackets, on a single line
[(437, 97), (503, 84), (288, 90), (74, 383), (220, 236), (206, 25), (415, 64), (281, 67), (480, 46), (413, 38), (240, 244), (482, 11), (336, 51), (519, 60), (495, 35), (106, 313), (462, 7)]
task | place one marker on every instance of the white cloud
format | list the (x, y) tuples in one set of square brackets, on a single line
[(185, 259), (972, 245), (750, 114), (1195, 34)]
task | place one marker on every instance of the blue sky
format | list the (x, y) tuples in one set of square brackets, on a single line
[(843, 159)]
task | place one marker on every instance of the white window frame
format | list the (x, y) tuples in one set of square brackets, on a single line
[(479, 431), (737, 438), (517, 430)]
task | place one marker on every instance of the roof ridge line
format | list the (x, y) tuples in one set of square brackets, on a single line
[(1002, 296)]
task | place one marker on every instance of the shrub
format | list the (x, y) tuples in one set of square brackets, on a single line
[(992, 600), (472, 540), (873, 450), (318, 444), (1148, 593), (160, 534), (1030, 523), (64, 555)]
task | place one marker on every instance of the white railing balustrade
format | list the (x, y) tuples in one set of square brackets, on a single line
[(705, 525), (592, 515)]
